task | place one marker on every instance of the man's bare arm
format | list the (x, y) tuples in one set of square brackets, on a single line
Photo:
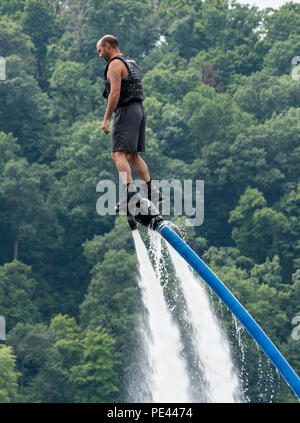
[(114, 76)]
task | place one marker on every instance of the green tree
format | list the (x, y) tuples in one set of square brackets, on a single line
[(38, 23), (12, 7), (217, 63), (9, 149), (278, 61), (73, 18), (23, 200), (57, 6), (180, 30), (31, 344), (263, 95), (81, 164), (96, 375), (190, 27), (279, 24), (17, 287), (13, 41), (20, 100), (235, 24), (72, 93), (68, 339), (118, 237), (111, 297), (52, 383), (130, 21), (263, 156), (169, 85), (263, 293), (169, 124), (112, 300), (289, 245), (8, 375), (221, 106), (212, 117), (257, 227)]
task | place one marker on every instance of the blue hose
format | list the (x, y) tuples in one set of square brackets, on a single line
[(234, 306)]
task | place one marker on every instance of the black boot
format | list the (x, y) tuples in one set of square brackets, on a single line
[(129, 191), (152, 193), (138, 208)]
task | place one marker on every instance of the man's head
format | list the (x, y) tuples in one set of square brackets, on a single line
[(107, 47)]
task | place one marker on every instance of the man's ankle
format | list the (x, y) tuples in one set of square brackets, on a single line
[(131, 187)]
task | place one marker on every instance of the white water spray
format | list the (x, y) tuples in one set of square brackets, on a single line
[(170, 376), (219, 380), (169, 381), (211, 344)]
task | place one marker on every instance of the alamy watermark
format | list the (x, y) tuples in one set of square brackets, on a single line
[(296, 68), (2, 329), (296, 331), (180, 198), (2, 69)]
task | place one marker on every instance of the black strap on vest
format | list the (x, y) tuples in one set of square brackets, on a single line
[(121, 57)]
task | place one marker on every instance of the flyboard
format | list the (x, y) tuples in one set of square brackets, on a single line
[(145, 213)]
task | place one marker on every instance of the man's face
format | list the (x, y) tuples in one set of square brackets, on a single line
[(103, 51)]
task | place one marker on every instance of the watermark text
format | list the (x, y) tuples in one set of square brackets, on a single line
[(2, 69), (180, 198)]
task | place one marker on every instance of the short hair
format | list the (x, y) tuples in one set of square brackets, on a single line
[(111, 40)]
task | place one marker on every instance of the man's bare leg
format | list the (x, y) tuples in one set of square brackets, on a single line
[(142, 170), (139, 165), (122, 165)]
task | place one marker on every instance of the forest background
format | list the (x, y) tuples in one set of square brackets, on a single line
[(223, 105)]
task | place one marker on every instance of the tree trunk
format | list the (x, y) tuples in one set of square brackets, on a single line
[(22, 378), (16, 246), (274, 249)]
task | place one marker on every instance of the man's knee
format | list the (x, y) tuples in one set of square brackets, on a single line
[(132, 157), (115, 155)]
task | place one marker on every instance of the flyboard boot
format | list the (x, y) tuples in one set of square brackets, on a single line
[(147, 214), (148, 190), (152, 193), (138, 208), (129, 192)]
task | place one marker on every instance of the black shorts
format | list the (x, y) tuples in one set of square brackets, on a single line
[(129, 128)]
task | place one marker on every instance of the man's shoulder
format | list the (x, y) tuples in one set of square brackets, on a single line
[(116, 65), (116, 62), (122, 58)]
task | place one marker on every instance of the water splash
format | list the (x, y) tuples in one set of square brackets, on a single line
[(268, 379), (243, 375), (168, 377), (178, 307), (211, 344), (190, 361)]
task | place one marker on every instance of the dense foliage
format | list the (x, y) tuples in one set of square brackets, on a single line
[(222, 107)]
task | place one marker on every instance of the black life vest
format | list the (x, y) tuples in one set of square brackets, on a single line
[(131, 86)]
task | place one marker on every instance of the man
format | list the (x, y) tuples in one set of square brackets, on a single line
[(124, 92)]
